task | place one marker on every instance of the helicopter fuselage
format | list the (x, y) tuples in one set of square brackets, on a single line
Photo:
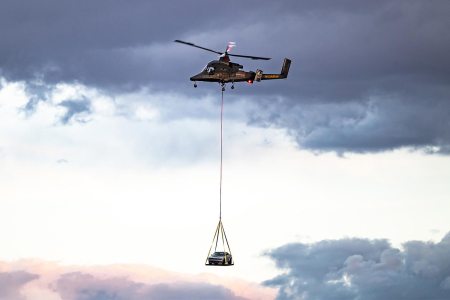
[(223, 72)]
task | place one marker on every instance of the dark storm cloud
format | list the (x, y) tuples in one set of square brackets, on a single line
[(363, 269), (366, 75), (367, 79), (74, 108), (100, 43), (357, 126), (81, 286), (11, 284)]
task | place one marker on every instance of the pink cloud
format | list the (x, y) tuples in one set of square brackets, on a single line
[(35, 279)]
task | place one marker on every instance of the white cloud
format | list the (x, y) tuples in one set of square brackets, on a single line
[(150, 185)]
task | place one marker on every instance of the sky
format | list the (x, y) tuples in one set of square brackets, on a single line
[(335, 180)]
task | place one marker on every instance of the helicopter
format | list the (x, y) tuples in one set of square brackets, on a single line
[(224, 71)]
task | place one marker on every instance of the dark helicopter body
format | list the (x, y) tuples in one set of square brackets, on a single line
[(221, 71), (224, 71)]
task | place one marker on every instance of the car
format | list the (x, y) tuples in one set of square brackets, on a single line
[(220, 258)]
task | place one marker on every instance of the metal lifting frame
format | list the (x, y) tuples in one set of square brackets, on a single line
[(220, 233)]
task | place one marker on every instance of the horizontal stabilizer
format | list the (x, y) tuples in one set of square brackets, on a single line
[(282, 75)]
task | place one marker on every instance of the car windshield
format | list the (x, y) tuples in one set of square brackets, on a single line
[(218, 254)]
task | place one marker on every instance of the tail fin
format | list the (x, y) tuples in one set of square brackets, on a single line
[(285, 68), (282, 75)]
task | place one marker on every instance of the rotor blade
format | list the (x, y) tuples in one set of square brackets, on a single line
[(194, 45), (251, 57)]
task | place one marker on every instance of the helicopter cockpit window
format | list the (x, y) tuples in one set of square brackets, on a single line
[(210, 70)]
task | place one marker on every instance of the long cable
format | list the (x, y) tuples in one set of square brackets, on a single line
[(221, 158)]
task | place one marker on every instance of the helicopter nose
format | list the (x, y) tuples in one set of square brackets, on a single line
[(196, 77)]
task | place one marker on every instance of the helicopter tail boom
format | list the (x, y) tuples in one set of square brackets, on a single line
[(282, 75)]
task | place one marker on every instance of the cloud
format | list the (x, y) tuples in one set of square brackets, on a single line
[(75, 108), (363, 269), (11, 284), (37, 92), (340, 52), (373, 126), (45, 280), (79, 286), (365, 77), (99, 43)]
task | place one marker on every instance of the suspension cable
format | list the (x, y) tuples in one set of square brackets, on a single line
[(221, 158)]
